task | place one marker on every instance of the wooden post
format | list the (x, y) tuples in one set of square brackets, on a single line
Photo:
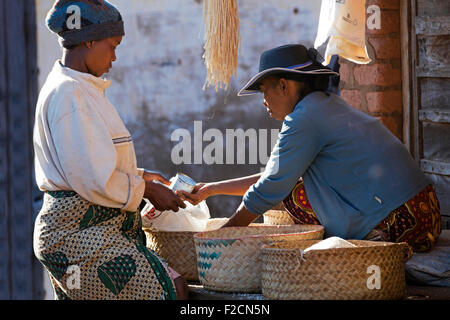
[(20, 271), (406, 74), (4, 194)]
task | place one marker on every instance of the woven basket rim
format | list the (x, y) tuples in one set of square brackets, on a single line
[(169, 232), (373, 244), (203, 235), (152, 230)]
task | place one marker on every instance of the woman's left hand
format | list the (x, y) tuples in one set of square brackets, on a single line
[(200, 193), (155, 176), (241, 218)]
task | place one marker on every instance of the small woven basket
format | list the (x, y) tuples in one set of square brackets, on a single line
[(178, 248), (372, 270), (229, 258), (277, 217)]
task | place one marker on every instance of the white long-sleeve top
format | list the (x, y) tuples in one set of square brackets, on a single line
[(81, 143)]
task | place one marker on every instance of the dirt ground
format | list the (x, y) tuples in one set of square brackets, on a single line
[(413, 292), (417, 292)]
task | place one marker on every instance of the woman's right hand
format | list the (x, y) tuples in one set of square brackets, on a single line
[(162, 197), (201, 192), (233, 187)]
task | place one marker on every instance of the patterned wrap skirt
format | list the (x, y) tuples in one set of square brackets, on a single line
[(93, 252), (416, 222)]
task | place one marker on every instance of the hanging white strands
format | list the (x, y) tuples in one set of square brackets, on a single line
[(222, 40)]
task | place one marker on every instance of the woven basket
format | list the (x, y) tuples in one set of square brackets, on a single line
[(229, 258), (178, 248), (333, 274), (277, 217)]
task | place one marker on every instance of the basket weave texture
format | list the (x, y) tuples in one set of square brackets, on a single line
[(229, 258), (177, 248), (334, 274), (277, 217)]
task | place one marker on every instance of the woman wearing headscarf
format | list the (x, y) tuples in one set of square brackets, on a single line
[(88, 234), (332, 164)]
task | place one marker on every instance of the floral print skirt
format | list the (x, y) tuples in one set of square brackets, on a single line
[(417, 222), (93, 252)]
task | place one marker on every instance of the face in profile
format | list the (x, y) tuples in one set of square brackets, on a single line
[(280, 95), (273, 98), (101, 54)]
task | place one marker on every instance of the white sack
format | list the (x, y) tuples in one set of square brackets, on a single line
[(344, 22), (192, 218)]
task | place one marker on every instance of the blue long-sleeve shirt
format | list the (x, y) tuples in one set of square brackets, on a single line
[(354, 170)]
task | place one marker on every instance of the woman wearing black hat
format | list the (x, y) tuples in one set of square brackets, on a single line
[(332, 164), (88, 233)]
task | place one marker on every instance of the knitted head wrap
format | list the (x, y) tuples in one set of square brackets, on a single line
[(78, 21)]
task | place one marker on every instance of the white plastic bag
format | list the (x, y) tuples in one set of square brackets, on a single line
[(344, 22), (192, 218)]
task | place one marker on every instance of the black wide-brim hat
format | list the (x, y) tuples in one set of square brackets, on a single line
[(293, 59)]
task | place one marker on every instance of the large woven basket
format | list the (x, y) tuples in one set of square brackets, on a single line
[(277, 217), (372, 270), (178, 248), (229, 258)]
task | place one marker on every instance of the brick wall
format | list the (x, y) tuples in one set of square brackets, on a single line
[(376, 88)]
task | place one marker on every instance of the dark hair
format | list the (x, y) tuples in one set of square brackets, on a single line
[(315, 82), (70, 47)]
